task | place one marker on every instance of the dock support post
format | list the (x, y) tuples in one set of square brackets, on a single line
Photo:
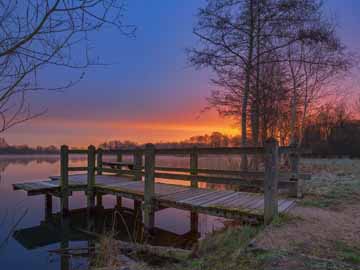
[(149, 192), (194, 160), (118, 198), (64, 258), (118, 202), (271, 180), (64, 178), (138, 177), (48, 206), (99, 201), (137, 164), (99, 158), (119, 158), (91, 178)]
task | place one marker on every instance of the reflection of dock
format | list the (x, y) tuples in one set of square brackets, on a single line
[(137, 182), (122, 223), (77, 227)]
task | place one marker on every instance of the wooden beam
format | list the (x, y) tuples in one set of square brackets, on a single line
[(194, 160), (48, 206), (91, 177), (99, 159), (271, 180), (64, 180), (138, 164), (149, 190)]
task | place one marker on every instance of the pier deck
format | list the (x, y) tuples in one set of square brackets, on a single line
[(224, 203)]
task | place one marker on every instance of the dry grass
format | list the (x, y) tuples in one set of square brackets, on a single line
[(333, 184), (107, 256)]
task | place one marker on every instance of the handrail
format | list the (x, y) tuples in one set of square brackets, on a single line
[(270, 182), (200, 150)]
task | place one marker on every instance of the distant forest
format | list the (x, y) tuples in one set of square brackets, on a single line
[(332, 131), (6, 149)]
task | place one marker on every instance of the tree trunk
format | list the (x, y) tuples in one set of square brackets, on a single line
[(248, 71)]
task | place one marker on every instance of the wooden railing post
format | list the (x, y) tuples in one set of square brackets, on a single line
[(91, 177), (99, 158), (194, 157), (64, 178), (294, 168), (149, 192), (119, 158), (138, 164), (271, 180), (194, 160), (48, 206)]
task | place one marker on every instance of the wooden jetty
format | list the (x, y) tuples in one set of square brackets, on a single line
[(137, 181)]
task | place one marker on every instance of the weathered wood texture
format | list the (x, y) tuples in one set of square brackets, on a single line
[(149, 191), (154, 195), (271, 180), (64, 178), (224, 203), (91, 177), (99, 161)]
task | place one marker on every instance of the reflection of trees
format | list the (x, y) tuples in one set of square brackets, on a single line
[(5, 161)]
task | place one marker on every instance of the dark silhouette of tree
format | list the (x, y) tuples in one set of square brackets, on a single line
[(271, 60), (38, 33)]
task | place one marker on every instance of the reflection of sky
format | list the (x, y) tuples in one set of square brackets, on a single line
[(150, 93)]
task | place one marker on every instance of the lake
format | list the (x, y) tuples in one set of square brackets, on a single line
[(26, 237)]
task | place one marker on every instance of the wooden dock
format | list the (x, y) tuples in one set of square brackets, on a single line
[(224, 203), (138, 182)]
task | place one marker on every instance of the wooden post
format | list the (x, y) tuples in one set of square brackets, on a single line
[(271, 180), (137, 164), (99, 202), (118, 202), (294, 167), (99, 161), (64, 178), (91, 177), (48, 206), (119, 158), (138, 177), (64, 258), (194, 160), (149, 192)]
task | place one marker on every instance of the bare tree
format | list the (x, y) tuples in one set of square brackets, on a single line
[(38, 33), (267, 54)]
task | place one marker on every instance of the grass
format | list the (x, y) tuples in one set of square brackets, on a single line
[(347, 253), (283, 219), (107, 256), (333, 195), (333, 183), (222, 250)]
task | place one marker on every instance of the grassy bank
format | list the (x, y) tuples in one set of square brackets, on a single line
[(321, 233)]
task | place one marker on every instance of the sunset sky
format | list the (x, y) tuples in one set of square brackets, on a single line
[(149, 93)]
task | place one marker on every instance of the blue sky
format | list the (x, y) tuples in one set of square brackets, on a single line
[(149, 92)]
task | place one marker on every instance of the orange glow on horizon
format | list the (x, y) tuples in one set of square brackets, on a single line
[(81, 133)]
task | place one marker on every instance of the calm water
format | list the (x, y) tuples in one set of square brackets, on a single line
[(26, 238)]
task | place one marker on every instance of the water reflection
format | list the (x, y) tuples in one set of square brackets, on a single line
[(121, 223), (41, 230)]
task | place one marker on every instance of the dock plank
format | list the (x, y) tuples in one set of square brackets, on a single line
[(210, 201)]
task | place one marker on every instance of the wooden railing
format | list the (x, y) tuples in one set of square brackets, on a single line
[(270, 180)]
